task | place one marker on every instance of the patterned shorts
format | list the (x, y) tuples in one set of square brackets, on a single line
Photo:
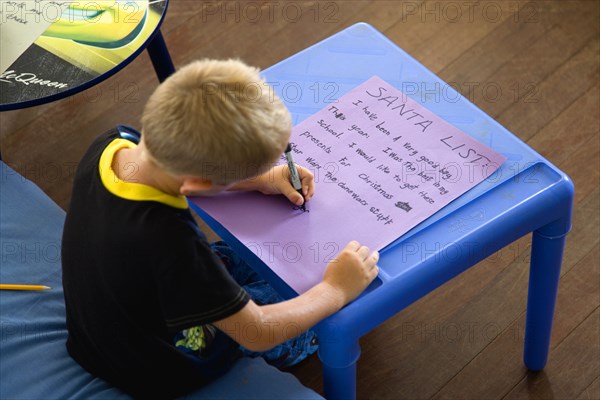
[(281, 356)]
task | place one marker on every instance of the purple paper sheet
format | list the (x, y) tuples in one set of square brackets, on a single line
[(382, 163)]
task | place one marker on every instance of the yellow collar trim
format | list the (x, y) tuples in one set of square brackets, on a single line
[(130, 190)]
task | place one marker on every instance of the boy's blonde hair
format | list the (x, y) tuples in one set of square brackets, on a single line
[(217, 120)]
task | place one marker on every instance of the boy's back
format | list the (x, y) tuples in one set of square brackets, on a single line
[(131, 264)]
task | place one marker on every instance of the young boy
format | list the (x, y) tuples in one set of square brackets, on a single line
[(152, 307)]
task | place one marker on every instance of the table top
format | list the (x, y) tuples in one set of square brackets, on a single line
[(81, 47), (315, 77), (347, 59)]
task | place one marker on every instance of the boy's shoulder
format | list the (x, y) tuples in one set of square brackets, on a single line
[(95, 149), (117, 132)]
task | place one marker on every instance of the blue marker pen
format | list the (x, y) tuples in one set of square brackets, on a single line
[(295, 178)]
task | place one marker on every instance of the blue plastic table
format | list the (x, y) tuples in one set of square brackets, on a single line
[(527, 194)]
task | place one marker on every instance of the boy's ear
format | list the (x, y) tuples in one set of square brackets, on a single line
[(192, 185)]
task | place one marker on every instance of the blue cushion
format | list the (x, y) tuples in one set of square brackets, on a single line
[(34, 362)]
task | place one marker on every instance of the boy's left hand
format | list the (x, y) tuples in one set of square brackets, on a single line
[(277, 181)]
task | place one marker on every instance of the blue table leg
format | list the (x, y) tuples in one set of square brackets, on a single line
[(339, 356), (546, 260), (161, 59)]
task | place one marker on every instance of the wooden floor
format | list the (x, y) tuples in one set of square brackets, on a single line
[(533, 66)]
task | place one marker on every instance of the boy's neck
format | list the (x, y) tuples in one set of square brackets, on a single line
[(132, 165)]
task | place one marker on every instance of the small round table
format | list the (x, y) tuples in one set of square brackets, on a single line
[(85, 45)]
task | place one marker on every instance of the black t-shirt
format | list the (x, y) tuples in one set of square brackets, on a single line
[(135, 273)]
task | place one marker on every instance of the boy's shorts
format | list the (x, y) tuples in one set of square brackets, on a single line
[(284, 355)]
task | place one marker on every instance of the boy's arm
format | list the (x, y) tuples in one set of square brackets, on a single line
[(277, 181), (259, 328)]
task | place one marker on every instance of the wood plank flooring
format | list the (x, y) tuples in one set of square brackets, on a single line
[(532, 65)]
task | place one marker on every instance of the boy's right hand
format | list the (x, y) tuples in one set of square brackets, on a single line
[(352, 271)]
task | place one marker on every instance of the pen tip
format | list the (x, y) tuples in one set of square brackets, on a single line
[(288, 148)]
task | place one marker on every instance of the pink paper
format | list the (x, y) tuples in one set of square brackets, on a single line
[(382, 164)]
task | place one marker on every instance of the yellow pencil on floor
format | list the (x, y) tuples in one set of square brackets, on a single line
[(6, 286)]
